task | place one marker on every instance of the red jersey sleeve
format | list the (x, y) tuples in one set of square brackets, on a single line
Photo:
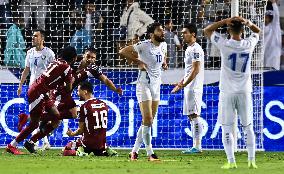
[(91, 71)]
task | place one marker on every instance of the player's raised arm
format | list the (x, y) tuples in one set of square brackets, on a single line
[(249, 24), (208, 31)]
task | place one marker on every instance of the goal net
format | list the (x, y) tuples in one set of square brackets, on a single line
[(170, 129)]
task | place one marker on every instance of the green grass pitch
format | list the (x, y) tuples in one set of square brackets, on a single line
[(172, 162)]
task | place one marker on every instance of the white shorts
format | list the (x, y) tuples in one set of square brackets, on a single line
[(231, 104), (192, 102), (147, 89), (146, 92)]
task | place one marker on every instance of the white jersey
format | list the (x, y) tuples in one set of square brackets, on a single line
[(194, 53), (153, 56), (272, 41), (235, 75), (38, 61)]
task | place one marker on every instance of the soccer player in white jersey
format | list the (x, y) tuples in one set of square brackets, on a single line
[(37, 61), (150, 56), (272, 37), (235, 84), (193, 85)]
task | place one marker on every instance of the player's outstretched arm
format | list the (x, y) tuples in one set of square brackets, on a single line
[(110, 84), (24, 76), (79, 131)]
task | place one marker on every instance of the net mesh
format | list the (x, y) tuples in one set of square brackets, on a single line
[(171, 129)]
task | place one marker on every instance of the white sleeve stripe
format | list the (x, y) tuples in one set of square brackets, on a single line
[(35, 102), (67, 70)]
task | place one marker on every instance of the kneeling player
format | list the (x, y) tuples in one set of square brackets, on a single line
[(92, 123)]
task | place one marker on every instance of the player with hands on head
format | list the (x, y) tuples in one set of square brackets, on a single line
[(235, 84)]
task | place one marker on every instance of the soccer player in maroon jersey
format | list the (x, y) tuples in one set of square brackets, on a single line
[(67, 106), (92, 122), (57, 74)]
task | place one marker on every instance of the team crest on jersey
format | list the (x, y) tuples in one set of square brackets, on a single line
[(216, 38), (43, 57), (139, 43), (195, 55)]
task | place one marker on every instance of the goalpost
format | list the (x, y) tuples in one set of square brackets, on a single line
[(248, 9), (171, 130)]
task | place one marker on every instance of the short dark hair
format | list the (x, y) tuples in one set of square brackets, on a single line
[(68, 54), (86, 86), (42, 32), (168, 21), (236, 26), (151, 28), (191, 28), (92, 49)]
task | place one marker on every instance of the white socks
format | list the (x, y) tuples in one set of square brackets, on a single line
[(197, 130), (227, 139), (34, 132), (143, 135), (146, 134), (250, 141), (193, 134), (138, 141), (45, 140)]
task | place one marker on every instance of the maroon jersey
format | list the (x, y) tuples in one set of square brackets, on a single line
[(56, 74), (91, 71), (94, 114)]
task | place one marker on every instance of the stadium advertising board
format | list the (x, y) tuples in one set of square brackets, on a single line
[(170, 129)]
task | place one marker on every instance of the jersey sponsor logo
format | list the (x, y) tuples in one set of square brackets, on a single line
[(97, 106)]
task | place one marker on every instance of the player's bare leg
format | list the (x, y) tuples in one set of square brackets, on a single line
[(47, 128), (148, 108), (12, 147), (23, 134)]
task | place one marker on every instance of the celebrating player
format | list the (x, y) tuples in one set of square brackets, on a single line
[(57, 74), (193, 85), (67, 106), (37, 60), (150, 56), (92, 125), (235, 84)]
